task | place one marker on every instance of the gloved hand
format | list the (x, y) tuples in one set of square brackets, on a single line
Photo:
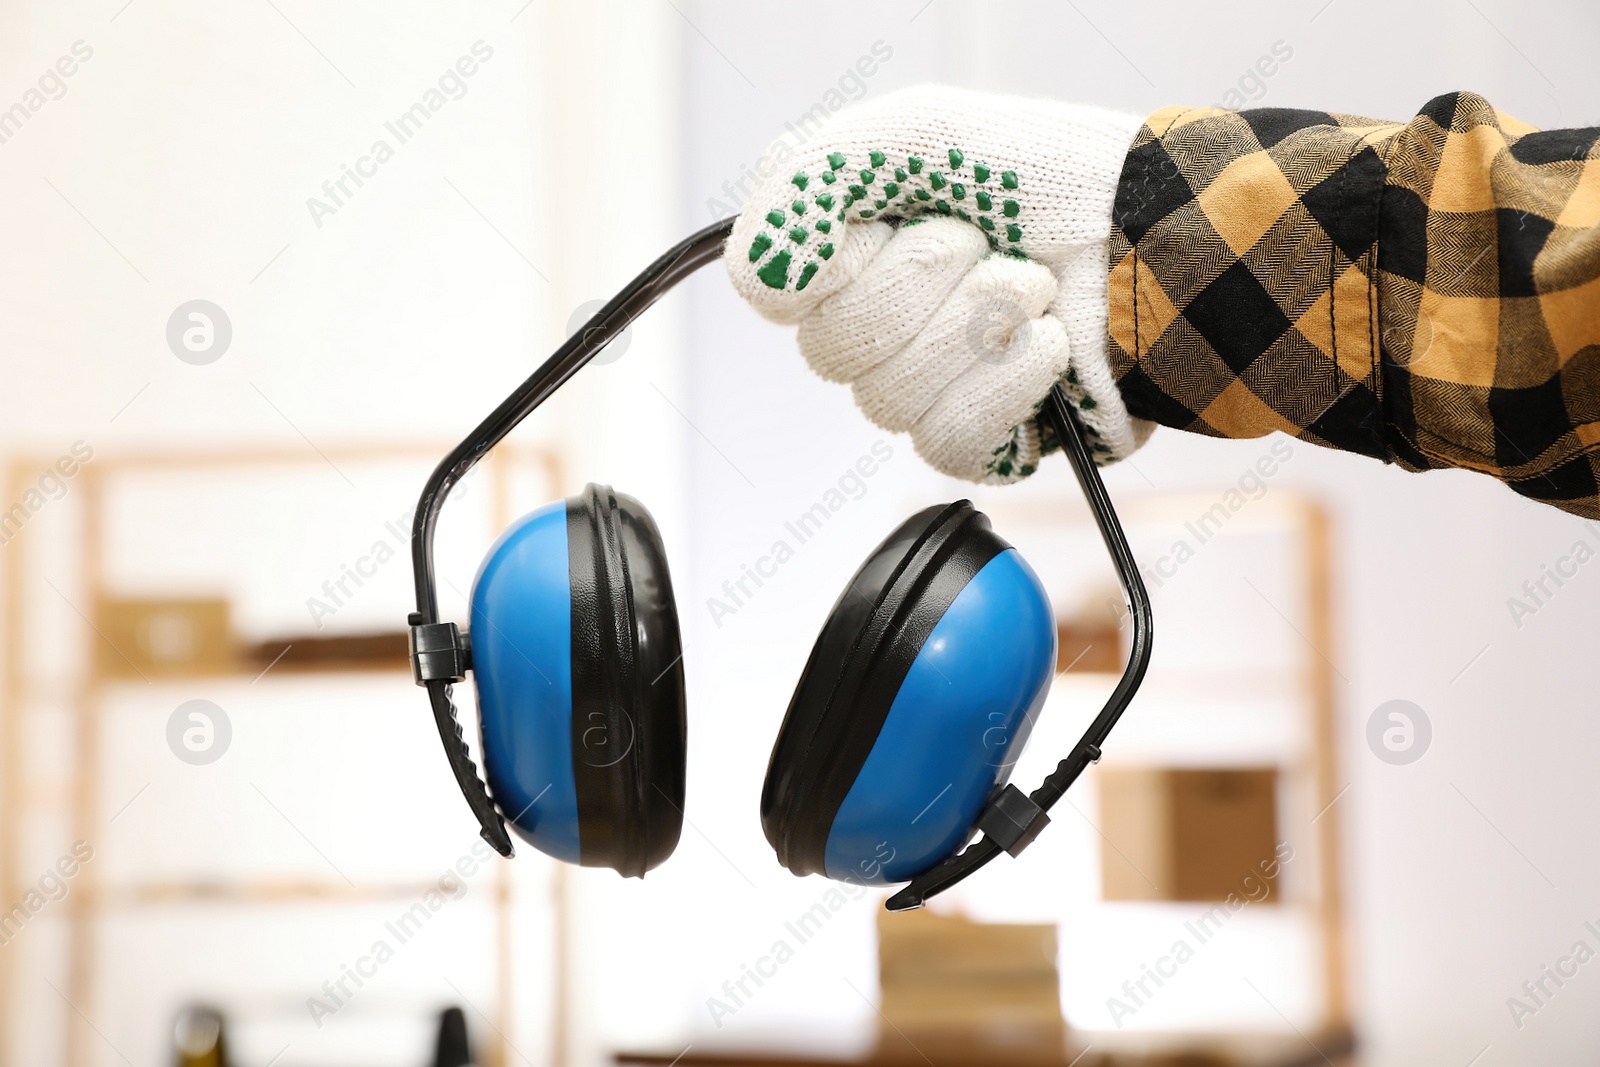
[(944, 252)]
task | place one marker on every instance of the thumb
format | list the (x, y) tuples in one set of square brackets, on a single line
[(796, 242)]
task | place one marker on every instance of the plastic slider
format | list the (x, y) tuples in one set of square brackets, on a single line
[(439, 651), (1012, 820)]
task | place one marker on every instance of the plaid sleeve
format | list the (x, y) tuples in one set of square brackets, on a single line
[(1425, 293)]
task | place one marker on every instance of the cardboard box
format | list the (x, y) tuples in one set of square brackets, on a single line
[(977, 992), (1188, 834), (153, 637), (1086, 645)]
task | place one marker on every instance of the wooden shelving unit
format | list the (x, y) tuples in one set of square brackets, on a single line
[(1306, 523), (92, 691)]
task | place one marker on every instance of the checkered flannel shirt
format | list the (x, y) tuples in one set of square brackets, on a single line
[(1427, 293)]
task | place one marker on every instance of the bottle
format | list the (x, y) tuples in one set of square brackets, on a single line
[(452, 1049), (198, 1038)]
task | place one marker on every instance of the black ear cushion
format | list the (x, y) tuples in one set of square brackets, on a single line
[(628, 711), (862, 654)]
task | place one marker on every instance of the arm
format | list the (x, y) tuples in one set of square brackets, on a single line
[(1427, 294)]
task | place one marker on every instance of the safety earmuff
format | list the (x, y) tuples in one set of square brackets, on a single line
[(898, 744)]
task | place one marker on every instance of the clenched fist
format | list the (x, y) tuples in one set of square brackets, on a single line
[(944, 253)]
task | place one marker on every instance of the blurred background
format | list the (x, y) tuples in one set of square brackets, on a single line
[(265, 261)]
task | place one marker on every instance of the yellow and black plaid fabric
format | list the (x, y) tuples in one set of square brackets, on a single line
[(1427, 293)]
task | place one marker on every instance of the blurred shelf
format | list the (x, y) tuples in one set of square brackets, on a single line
[(1222, 680), (269, 892), (1335, 1047), (1332, 1047), (369, 653), (313, 654), (1012, 1055)]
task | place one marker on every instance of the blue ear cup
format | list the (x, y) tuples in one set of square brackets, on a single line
[(917, 698), (578, 662)]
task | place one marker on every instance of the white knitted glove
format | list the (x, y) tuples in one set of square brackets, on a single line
[(955, 324)]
